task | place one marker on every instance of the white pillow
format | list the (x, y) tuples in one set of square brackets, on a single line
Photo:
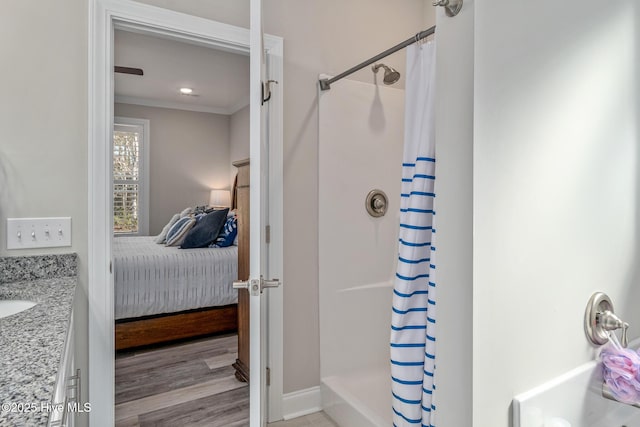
[(186, 212), (162, 237)]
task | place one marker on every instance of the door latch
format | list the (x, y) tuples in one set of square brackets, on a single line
[(256, 286)]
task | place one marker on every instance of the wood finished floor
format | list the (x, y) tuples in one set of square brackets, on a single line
[(188, 384)]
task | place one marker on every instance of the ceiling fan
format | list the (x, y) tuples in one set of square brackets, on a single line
[(129, 70)]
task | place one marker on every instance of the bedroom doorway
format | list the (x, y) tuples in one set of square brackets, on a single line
[(139, 19), (182, 351)]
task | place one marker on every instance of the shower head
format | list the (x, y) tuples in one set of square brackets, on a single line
[(390, 75)]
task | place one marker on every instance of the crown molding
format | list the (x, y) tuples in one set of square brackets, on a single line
[(134, 100)]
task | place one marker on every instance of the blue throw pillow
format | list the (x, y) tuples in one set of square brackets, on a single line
[(227, 234), (206, 230)]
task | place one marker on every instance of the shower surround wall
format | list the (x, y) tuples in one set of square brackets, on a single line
[(360, 149)]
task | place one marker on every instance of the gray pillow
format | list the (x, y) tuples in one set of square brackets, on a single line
[(162, 237), (206, 230)]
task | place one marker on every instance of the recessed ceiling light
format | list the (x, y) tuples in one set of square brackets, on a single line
[(186, 90)]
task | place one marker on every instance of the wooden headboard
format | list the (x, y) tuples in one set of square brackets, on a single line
[(241, 203)]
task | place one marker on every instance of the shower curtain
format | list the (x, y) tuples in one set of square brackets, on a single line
[(413, 321)]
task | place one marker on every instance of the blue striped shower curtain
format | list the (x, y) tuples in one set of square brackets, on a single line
[(413, 338)]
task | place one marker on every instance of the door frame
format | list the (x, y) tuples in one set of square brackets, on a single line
[(104, 17)]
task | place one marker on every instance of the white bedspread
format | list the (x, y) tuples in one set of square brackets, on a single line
[(154, 279)]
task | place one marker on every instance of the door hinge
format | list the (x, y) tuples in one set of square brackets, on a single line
[(268, 376), (268, 234)]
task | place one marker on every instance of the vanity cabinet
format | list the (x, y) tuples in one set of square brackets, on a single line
[(67, 390)]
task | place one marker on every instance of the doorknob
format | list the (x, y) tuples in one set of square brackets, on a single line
[(256, 286), (240, 284), (252, 285)]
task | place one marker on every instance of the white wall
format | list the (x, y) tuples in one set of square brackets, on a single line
[(555, 187), (189, 156), (454, 219), (361, 145)]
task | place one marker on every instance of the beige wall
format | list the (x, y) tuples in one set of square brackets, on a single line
[(239, 137), (189, 157), (235, 12), (429, 13), (43, 117)]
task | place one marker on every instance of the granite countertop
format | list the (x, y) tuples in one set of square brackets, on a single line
[(32, 342)]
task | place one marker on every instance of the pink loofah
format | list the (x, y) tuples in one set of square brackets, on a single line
[(621, 372)]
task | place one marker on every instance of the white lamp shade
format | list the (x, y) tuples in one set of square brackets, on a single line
[(220, 198)]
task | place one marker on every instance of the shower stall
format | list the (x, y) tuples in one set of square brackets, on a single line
[(360, 149)]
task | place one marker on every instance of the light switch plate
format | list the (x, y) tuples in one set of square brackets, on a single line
[(24, 233)]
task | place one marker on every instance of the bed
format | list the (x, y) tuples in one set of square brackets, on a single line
[(153, 284), (151, 279), (162, 294)]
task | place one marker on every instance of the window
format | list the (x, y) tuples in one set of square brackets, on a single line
[(130, 176)]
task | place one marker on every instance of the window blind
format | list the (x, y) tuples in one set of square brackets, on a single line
[(126, 178)]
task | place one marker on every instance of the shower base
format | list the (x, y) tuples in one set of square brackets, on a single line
[(358, 400)]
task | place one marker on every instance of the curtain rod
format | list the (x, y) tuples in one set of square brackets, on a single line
[(325, 84)]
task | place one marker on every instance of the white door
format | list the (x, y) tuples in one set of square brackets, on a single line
[(259, 274)]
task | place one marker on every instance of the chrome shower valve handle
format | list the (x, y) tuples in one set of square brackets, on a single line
[(600, 319), (611, 322)]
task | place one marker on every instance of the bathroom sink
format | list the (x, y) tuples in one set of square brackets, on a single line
[(9, 307)]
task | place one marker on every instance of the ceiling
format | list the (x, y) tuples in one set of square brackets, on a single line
[(220, 80)]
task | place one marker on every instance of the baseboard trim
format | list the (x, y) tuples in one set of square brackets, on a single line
[(302, 402)]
